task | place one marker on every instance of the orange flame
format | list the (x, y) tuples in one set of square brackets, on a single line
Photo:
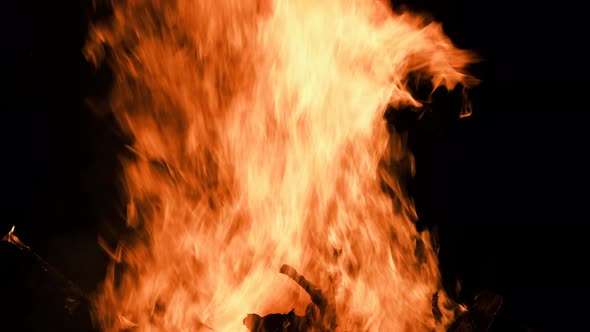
[(259, 140)]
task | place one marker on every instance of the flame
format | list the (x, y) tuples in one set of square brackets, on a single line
[(12, 238), (259, 140)]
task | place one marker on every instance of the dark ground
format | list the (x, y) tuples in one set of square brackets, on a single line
[(506, 187)]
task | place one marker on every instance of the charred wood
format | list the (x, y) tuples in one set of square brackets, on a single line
[(320, 315), (35, 296), (276, 323)]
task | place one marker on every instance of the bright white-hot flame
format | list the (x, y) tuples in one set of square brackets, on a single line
[(259, 140)]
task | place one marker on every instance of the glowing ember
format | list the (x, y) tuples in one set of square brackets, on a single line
[(12, 238), (259, 141)]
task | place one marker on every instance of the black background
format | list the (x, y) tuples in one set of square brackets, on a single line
[(506, 187)]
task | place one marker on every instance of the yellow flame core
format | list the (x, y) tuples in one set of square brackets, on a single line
[(259, 140)]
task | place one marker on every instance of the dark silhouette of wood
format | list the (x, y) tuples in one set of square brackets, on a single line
[(321, 315), (35, 296)]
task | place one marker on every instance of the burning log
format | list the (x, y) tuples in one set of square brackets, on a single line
[(320, 315), (38, 297), (325, 319), (276, 323)]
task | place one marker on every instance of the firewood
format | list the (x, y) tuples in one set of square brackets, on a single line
[(325, 319), (35, 296), (320, 315), (276, 323)]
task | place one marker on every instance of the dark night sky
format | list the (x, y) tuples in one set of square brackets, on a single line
[(506, 187)]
